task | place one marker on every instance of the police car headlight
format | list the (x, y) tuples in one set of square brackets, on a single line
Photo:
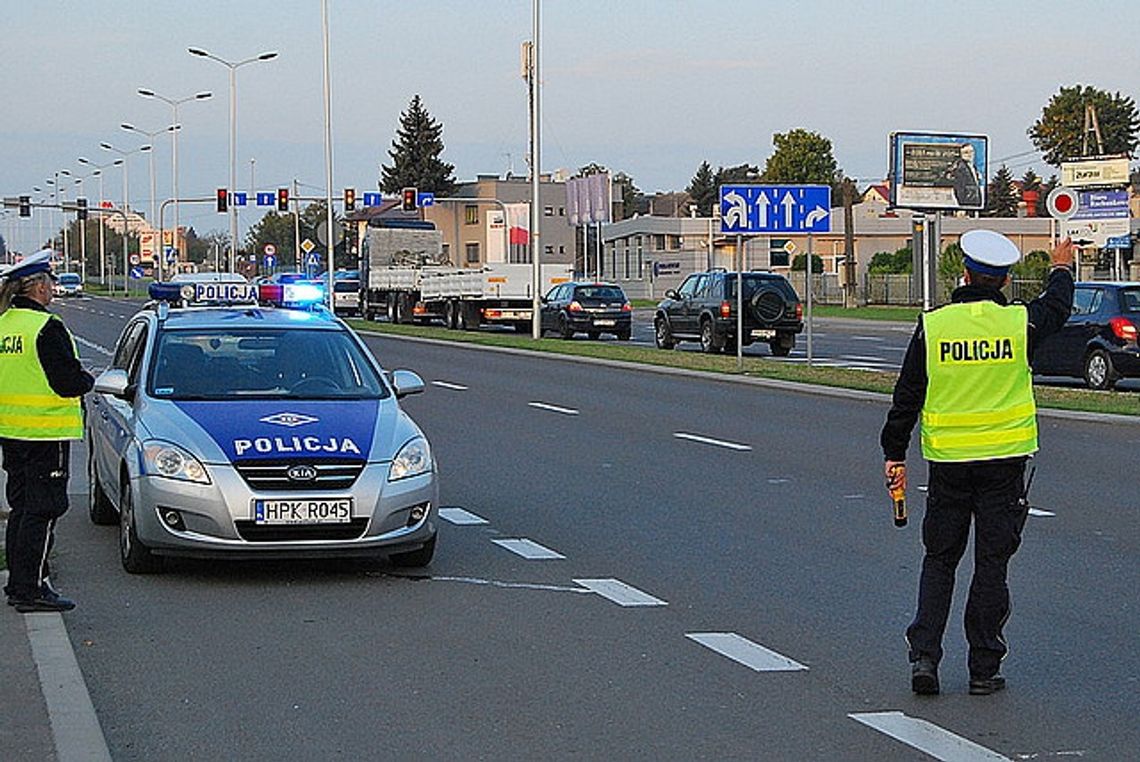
[(172, 462), (413, 459)]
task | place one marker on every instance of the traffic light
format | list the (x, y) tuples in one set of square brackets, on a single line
[(223, 200), (282, 199), (25, 206), (409, 200), (80, 208), (349, 199)]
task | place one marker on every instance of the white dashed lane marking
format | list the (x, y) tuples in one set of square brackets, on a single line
[(1039, 512), (742, 650), (553, 408), (528, 549), (710, 441), (449, 385), (619, 592), (461, 517), (927, 737)]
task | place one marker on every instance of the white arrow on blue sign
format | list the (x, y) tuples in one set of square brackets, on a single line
[(239, 198), (752, 209), (313, 260), (372, 199), (425, 199), (266, 199), (136, 273)]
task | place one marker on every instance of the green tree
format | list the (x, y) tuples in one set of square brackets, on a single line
[(1033, 266), (799, 260), (630, 195), (703, 189), (1001, 196), (742, 173), (951, 264), (276, 229), (1059, 132), (891, 262), (416, 153), (802, 156)]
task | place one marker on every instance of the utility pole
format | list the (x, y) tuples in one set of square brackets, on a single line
[(850, 295)]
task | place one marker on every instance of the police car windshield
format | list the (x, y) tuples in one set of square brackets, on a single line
[(265, 363)]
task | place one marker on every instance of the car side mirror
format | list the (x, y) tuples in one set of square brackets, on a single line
[(672, 294), (114, 381), (406, 382)]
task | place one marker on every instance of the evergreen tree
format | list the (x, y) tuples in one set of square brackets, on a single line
[(416, 153), (703, 190), (1001, 197), (1060, 132), (741, 174)]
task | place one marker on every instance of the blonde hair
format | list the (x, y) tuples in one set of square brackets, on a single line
[(14, 287)]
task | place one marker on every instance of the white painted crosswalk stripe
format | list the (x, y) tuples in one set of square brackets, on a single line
[(449, 385), (461, 517), (528, 549), (927, 737), (710, 441), (553, 408), (619, 592), (742, 650)]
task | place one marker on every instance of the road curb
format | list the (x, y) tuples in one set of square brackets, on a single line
[(767, 383)]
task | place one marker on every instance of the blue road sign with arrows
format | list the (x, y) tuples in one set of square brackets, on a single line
[(266, 199), (239, 198), (372, 199), (425, 198), (760, 209)]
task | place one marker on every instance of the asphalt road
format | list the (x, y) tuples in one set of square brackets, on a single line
[(742, 520)]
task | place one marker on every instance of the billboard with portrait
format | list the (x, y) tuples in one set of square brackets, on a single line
[(938, 171)]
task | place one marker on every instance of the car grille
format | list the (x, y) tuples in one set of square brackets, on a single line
[(274, 474), (251, 532)]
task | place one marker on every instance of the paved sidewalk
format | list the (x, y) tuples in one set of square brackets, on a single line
[(25, 727)]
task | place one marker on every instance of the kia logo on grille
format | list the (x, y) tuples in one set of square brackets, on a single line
[(301, 473)]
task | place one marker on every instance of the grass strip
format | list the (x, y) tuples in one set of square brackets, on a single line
[(1079, 400)]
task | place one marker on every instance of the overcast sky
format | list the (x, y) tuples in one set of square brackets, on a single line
[(649, 87)]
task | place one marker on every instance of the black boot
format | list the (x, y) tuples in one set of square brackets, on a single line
[(924, 677)]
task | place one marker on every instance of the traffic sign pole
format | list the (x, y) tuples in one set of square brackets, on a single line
[(739, 302), (808, 289)]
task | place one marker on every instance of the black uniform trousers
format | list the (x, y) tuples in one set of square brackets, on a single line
[(990, 493), (36, 491)]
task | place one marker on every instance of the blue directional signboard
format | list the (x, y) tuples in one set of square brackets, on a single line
[(239, 198), (136, 273), (425, 198), (372, 199), (266, 199), (762, 209)]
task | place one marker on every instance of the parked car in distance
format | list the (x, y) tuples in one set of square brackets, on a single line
[(68, 284), (1099, 340), (704, 309), (590, 308), (346, 292), (208, 277)]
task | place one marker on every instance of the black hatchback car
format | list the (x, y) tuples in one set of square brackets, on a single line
[(704, 309), (1099, 340), (589, 308)]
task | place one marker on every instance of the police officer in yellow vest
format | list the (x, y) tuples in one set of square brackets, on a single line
[(41, 383), (967, 373)]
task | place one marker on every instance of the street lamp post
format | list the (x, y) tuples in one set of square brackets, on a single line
[(126, 202), (102, 228), (174, 104), (153, 216), (233, 67)]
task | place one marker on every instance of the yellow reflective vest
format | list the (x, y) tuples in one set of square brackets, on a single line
[(29, 409), (979, 395)]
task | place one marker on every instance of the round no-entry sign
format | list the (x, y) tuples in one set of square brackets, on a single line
[(1062, 203)]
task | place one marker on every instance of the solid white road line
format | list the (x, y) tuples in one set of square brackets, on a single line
[(461, 517), (449, 385), (92, 345), (528, 549), (744, 651), (866, 338), (553, 408), (864, 358), (619, 592), (1039, 512), (710, 441), (926, 737)]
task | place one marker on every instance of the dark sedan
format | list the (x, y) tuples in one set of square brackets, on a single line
[(1099, 340), (590, 308)]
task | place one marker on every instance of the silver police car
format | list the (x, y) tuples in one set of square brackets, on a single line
[(242, 430)]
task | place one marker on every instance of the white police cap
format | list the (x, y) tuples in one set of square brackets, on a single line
[(40, 262), (989, 252)]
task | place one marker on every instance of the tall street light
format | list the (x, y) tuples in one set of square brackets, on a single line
[(153, 215), (174, 103), (102, 228), (233, 67), (126, 201), (58, 192)]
